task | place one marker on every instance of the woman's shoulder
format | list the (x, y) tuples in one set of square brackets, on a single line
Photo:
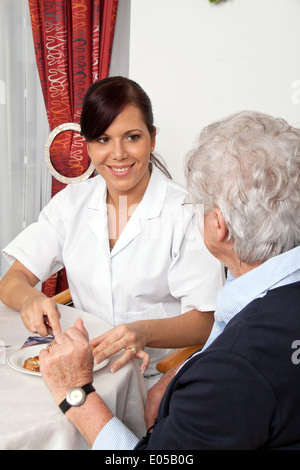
[(87, 185), (174, 189), (175, 194), (84, 189)]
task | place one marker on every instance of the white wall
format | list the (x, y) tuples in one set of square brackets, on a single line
[(200, 61), (119, 64)]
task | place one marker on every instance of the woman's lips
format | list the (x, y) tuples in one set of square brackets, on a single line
[(121, 170)]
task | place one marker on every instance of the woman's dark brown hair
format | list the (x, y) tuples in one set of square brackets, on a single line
[(104, 101)]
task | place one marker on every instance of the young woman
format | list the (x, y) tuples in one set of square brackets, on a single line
[(132, 253)]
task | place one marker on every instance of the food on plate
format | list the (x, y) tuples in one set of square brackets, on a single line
[(32, 363)]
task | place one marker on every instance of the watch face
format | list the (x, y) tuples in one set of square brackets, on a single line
[(75, 396)]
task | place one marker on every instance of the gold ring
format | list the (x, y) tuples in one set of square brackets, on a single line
[(132, 350)]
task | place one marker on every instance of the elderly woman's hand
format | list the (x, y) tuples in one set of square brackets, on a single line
[(68, 362), (130, 337), (155, 394)]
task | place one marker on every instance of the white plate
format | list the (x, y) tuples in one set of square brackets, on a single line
[(17, 358)]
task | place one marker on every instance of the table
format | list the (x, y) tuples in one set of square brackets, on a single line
[(29, 417)]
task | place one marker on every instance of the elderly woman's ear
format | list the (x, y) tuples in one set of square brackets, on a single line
[(215, 226), (222, 231)]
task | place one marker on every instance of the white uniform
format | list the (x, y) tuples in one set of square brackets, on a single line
[(158, 268)]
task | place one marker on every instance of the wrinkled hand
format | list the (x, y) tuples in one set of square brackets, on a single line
[(68, 363), (154, 396), (130, 337), (39, 310)]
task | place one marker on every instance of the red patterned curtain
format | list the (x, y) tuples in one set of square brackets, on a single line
[(73, 42)]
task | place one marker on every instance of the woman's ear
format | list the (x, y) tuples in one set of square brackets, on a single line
[(220, 225), (153, 140), (87, 147)]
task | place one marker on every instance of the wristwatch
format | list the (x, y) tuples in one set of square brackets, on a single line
[(76, 396)]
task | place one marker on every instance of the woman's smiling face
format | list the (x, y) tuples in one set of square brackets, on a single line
[(121, 154)]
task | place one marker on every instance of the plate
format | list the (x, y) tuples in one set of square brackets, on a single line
[(17, 358)]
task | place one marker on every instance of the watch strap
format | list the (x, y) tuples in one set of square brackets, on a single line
[(65, 406)]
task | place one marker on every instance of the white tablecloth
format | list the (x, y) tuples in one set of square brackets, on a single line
[(29, 418)]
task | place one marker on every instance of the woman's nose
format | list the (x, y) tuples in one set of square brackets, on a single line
[(118, 151)]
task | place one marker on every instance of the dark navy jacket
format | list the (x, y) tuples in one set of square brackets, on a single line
[(243, 391)]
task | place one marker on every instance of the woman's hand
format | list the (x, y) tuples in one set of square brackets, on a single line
[(155, 394), (40, 315), (131, 337), (17, 291), (68, 363)]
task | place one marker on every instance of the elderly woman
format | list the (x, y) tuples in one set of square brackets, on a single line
[(241, 391)]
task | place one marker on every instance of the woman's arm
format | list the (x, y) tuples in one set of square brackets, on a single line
[(17, 292), (189, 329)]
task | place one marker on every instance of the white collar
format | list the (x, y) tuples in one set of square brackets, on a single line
[(155, 195), (153, 200)]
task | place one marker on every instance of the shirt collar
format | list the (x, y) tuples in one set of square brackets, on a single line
[(153, 200), (266, 276), (238, 292), (155, 195)]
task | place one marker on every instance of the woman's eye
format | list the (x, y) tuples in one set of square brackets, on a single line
[(133, 137), (103, 140)]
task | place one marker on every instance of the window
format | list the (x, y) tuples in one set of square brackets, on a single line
[(25, 183)]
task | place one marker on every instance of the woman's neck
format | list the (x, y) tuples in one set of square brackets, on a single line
[(132, 196), (120, 207)]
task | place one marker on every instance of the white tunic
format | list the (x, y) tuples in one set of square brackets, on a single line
[(158, 268)]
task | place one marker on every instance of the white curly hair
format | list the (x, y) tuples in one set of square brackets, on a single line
[(248, 165)]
